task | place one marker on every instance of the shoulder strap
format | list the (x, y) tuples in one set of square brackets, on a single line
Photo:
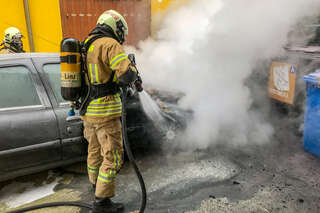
[(84, 50), (87, 43), (91, 90), (85, 47)]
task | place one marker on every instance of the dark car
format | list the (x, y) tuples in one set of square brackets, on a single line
[(35, 130), (35, 133)]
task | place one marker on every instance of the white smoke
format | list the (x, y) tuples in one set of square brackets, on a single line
[(207, 49)]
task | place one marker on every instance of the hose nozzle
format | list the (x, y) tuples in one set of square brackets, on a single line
[(138, 84)]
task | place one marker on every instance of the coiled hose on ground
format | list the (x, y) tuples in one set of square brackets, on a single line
[(131, 159)]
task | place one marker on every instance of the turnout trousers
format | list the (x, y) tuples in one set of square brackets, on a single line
[(105, 155)]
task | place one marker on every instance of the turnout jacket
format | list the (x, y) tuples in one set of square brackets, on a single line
[(105, 55), (6, 49)]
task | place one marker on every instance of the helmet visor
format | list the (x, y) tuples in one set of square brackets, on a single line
[(17, 41)]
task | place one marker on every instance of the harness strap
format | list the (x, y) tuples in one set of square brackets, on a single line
[(101, 90), (95, 90)]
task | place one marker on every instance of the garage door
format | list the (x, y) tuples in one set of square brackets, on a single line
[(78, 17)]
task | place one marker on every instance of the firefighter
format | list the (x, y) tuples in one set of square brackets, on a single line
[(108, 69), (12, 42)]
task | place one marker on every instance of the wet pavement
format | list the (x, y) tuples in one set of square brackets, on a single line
[(278, 177)]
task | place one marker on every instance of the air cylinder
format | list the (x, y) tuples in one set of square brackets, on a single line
[(70, 69)]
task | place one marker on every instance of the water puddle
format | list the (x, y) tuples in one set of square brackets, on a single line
[(19, 193)]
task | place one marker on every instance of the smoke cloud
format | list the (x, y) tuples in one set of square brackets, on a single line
[(207, 49)]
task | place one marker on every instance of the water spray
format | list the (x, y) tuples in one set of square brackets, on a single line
[(157, 116)]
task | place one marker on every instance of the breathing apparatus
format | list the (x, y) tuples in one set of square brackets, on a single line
[(74, 71), (74, 75), (71, 81)]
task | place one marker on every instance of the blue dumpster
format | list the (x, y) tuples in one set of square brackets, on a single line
[(311, 137)]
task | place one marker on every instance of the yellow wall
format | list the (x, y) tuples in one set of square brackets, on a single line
[(159, 9), (162, 5), (46, 25), (159, 5), (12, 15)]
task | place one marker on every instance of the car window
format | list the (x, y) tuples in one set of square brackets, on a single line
[(52, 72), (17, 87)]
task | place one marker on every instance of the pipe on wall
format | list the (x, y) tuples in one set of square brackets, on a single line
[(28, 22)]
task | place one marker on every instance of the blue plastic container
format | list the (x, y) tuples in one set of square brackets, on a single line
[(311, 137)]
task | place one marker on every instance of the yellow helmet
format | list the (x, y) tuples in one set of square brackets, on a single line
[(11, 34), (116, 22), (12, 37)]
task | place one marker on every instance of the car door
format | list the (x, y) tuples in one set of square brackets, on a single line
[(71, 127), (28, 127)]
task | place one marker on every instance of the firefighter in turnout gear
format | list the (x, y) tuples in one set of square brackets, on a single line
[(108, 68), (12, 42)]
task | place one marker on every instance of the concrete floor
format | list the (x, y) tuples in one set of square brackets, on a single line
[(279, 177)]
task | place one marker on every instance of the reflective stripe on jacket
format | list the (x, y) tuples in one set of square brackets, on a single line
[(103, 107), (105, 55)]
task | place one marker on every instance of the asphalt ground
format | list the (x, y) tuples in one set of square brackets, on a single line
[(275, 177)]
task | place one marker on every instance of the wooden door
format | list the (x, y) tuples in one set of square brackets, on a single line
[(79, 17)]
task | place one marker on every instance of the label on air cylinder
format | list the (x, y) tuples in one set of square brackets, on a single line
[(70, 79)]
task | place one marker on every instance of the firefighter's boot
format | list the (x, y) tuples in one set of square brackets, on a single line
[(105, 205)]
